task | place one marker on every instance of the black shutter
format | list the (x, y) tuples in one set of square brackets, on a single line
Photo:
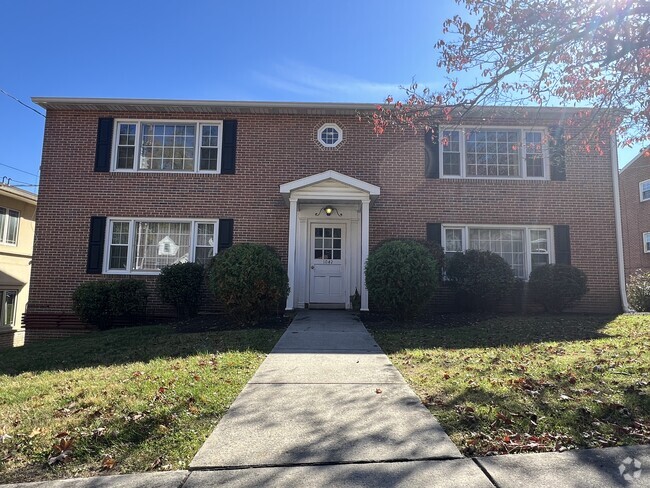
[(225, 234), (104, 144), (562, 244), (557, 153), (229, 149), (434, 233), (431, 154), (96, 245)]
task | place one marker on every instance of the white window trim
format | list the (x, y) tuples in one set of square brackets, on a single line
[(129, 259), (328, 126), (3, 237), (522, 154), (527, 228), (197, 152), (641, 191), (646, 237)]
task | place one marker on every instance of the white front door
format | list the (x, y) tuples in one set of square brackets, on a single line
[(327, 264)]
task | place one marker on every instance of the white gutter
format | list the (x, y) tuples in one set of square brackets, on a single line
[(619, 227)]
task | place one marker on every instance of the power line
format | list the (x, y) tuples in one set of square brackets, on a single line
[(18, 169), (22, 103)]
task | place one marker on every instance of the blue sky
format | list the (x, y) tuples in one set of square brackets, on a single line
[(347, 51)]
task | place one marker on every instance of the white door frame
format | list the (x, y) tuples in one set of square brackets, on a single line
[(329, 187), (345, 251)]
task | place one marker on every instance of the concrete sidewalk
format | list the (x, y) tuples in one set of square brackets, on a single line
[(327, 408)]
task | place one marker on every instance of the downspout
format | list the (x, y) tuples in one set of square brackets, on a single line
[(619, 227)]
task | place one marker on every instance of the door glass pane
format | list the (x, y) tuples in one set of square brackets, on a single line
[(337, 232), (328, 232), (327, 247)]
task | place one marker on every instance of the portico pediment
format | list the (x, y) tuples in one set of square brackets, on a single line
[(329, 185)]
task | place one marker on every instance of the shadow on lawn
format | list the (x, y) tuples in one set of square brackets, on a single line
[(135, 344), (494, 331)]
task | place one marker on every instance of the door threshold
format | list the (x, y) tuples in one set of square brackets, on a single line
[(326, 306)]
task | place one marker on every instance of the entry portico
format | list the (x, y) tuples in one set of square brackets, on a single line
[(329, 230)]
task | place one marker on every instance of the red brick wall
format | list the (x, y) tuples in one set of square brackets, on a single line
[(635, 215), (275, 149)]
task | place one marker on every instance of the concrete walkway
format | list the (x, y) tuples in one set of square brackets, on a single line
[(327, 408)]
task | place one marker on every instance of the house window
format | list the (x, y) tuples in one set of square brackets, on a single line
[(493, 153), (644, 190), (646, 242), (146, 246), (168, 146), (522, 248), (330, 135), (8, 304), (9, 226)]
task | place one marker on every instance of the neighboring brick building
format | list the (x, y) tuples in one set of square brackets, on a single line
[(17, 217), (130, 185), (634, 184)]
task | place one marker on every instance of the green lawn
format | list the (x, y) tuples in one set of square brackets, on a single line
[(125, 400), (526, 384)]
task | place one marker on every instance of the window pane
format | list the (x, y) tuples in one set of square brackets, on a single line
[(12, 227), (492, 153), (646, 240), (645, 190), (507, 243), (538, 260), (534, 155), (125, 146), (450, 142), (3, 223), (9, 307), (539, 241), (204, 250), (118, 257), (159, 244), (203, 255), (167, 147), (209, 158), (453, 240)]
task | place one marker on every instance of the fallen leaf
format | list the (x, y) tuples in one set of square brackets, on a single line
[(108, 463)]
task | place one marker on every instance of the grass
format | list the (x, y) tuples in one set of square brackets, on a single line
[(120, 401), (531, 384)]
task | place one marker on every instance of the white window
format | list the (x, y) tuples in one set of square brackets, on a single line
[(9, 220), (330, 135), (644, 190), (646, 242), (147, 245), (494, 153), (523, 248), (167, 146), (8, 310)]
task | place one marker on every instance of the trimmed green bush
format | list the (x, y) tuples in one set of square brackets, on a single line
[(401, 276), (638, 291), (101, 302), (180, 285), (556, 286), (481, 279), (250, 281)]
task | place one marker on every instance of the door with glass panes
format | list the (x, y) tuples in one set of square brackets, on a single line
[(327, 264)]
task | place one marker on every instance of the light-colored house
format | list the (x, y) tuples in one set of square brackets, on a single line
[(17, 220)]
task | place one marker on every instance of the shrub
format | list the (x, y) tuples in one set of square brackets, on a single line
[(180, 285), (481, 279), (91, 301), (638, 291), (250, 281), (402, 276), (100, 302), (556, 286), (129, 298)]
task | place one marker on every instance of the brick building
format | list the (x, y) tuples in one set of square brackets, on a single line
[(128, 186), (634, 184)]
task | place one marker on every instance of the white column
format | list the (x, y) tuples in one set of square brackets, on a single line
[(365, 239), (291, 257)]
